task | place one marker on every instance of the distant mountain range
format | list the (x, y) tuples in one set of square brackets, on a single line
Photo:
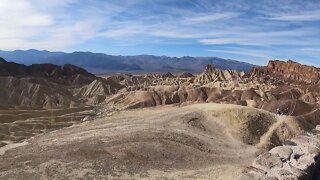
[(103, 63)]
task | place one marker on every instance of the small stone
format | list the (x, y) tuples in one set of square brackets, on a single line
[(86, 118), (282, 151), (285, 174), (306, 160), (266, 161), (27, 163)]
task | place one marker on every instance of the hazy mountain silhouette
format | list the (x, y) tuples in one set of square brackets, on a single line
[(99, 62)]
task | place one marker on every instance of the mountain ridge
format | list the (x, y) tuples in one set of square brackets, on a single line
[(100, 62), (50, 86)]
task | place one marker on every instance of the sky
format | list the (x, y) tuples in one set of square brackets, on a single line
[(253, 31)]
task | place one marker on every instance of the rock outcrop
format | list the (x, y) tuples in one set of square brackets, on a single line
[(212, 74), (289, 70), (296, 159), (167, 75), (185, 75)]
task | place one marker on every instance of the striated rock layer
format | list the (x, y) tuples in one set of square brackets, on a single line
[(290, 70)]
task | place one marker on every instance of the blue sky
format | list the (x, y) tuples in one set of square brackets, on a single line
[(249, 30)]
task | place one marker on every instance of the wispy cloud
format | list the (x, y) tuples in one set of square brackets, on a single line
[(206, 18), (305, 16), (275, 26), (218, 41), (251, 53)]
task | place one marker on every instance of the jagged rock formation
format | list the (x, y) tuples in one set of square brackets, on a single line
[(258, 89), (131, 80), (212, 74), (167, 75), (97, 91), (289, 70), (185, 75)]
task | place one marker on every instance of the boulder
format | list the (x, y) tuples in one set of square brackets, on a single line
[(267, 161), (284, 152)]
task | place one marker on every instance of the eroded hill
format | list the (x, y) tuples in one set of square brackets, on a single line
[(197, 141), (268, 88)]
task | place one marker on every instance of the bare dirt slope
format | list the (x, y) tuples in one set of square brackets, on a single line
[(196, 141)]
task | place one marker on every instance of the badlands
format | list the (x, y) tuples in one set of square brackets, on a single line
[(219, 124)]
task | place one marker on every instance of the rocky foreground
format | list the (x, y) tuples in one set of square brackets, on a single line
[(298, 158)]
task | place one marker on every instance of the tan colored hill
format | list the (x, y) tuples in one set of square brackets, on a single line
[(198, 141), (164, 95)]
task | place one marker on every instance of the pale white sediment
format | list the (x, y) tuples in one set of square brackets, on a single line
[(11, 146)]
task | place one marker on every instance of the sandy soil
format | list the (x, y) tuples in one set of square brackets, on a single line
[(169, 142), (16, 125)]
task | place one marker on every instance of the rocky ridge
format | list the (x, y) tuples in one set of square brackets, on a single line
[(290, 70), (212, 74)]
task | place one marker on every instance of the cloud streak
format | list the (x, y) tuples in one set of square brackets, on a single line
[(206, 18), (306, 16), (221, 26)]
